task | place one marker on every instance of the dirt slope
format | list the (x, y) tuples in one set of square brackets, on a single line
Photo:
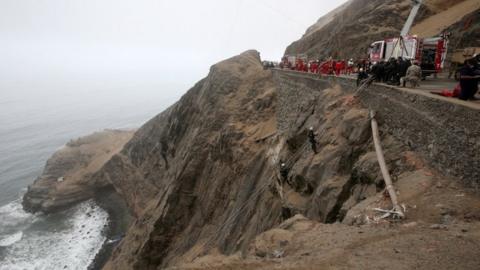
[(437, 23), (361, 22)]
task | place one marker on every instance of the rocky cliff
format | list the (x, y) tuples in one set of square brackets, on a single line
[(68, 177), (203, 177), (203, 184), (351, 29)]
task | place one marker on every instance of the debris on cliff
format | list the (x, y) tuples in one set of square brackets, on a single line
[(68, 175)]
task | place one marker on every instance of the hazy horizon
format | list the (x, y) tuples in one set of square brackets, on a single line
[(77, 44)]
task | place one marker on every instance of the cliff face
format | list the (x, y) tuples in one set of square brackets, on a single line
[(192, 167), (355, 26), (203, 176)]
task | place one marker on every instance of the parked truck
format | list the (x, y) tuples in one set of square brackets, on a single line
[(429, 52)]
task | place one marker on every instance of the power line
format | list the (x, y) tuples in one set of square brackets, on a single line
[(282, 13)]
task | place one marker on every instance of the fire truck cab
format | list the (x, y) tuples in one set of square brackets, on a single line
[(430, 52)]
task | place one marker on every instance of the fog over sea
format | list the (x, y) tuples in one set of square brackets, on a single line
[(36, 119)]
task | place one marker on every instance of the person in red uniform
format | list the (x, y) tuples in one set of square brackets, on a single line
[(338, 67), (350, 66), (314, 67), (344, 67), (325, 67)]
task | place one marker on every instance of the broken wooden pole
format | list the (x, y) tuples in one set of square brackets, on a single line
[(383, 167)]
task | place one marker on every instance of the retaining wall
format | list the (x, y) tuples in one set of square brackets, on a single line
[(445, 132)]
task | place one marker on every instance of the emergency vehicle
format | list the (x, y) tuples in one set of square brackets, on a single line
[(429, 52), (297, 62)]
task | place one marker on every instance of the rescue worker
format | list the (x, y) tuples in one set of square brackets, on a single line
[(388, 68), (402, 70), (375, 69), (476, 58), (284, 172), (413, 76), (393, 74), (362, 75), (350, 65), (380, 76), (381, 71), (312, 140), (469, 80)]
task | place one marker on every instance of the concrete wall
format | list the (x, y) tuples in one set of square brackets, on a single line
[(446, 132)]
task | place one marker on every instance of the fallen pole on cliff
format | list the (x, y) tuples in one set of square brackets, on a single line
[(397, 210)]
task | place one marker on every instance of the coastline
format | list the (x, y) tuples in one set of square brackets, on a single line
[(119, 222)]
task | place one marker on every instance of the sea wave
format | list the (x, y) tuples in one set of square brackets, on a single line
[(11, 239), (69, 240), (13, 218)]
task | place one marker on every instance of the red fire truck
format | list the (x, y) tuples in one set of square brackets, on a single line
[(429, 52)]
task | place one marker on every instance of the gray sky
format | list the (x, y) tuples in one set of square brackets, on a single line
[(143, 40)]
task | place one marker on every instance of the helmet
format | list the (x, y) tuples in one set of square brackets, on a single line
[(283, 165), (311, 128)]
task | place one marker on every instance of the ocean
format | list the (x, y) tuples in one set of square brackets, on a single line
[(34, 123)]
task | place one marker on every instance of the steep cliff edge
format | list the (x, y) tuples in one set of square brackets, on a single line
[(203, 177), (190, 168)]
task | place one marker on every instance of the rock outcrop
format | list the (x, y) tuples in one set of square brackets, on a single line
[(68, 177), (203, 176), (351, 29)]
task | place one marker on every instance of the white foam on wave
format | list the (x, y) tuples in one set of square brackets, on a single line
[(73, 246), (12, 214), (11, 239)]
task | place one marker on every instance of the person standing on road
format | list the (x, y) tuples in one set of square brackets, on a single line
[(350, 65), (469, 80), (413, 76), (403, 66), (362, 76)]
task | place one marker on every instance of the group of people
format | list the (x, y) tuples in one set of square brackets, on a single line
[(391, 71), (327, 66), (395, 71)]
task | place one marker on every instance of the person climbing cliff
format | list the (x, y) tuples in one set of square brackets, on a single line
[(284, 172), (312, 140)]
